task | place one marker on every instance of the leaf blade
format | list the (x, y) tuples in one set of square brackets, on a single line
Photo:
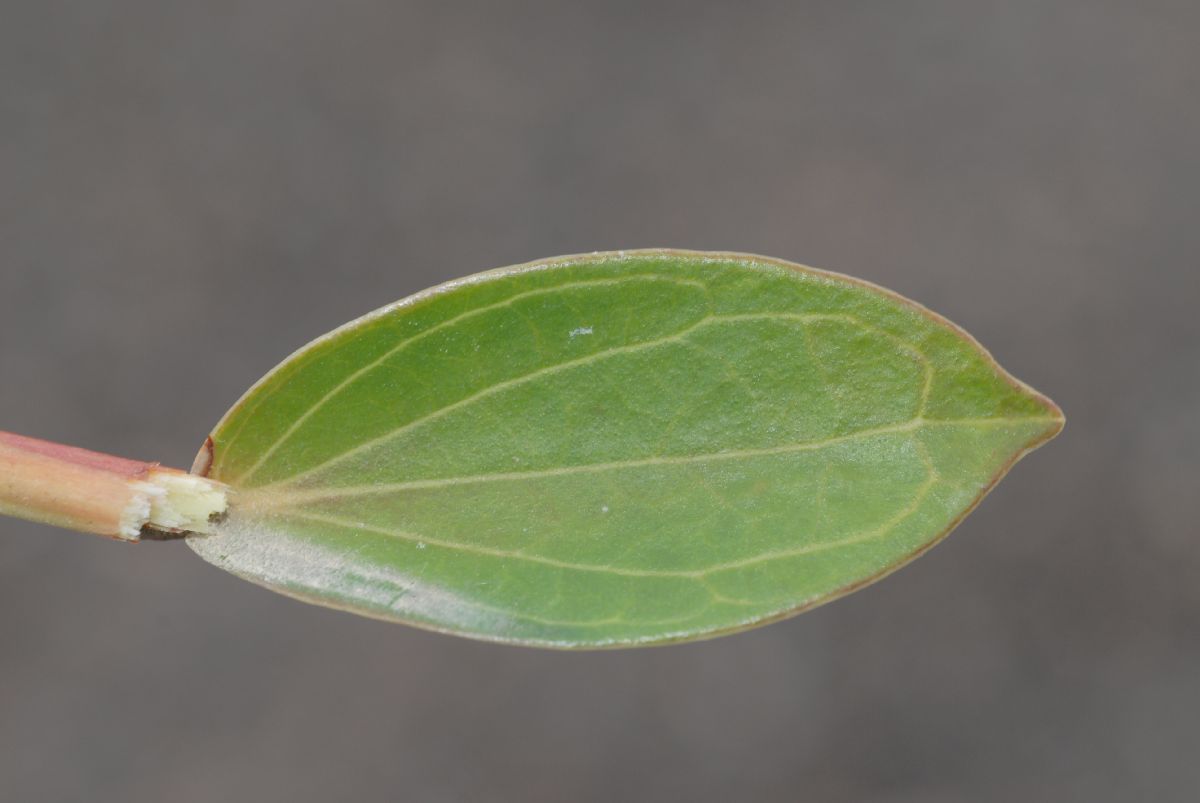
[(616, 449)]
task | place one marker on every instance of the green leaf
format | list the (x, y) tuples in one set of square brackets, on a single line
[(615, 449)]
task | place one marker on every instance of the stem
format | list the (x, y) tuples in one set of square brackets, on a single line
[(98, 493)]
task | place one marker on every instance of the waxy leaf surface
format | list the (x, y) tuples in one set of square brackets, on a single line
[(614, 449)]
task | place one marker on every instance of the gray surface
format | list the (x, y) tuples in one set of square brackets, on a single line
[(190, 191)]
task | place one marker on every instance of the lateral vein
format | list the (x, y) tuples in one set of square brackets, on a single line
[(547, 371)]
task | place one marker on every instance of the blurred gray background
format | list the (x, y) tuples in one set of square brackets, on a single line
[(188, 192)]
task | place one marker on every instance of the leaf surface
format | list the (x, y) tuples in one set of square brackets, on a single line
[(614, 449)]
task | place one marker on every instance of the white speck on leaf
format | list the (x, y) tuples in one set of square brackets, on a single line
[(604, 508), (582, 330)]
